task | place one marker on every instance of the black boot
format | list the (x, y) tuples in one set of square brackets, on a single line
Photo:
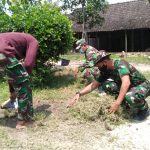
[(142, 114)]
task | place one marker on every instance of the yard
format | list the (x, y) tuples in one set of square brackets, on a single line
[(86, 126)]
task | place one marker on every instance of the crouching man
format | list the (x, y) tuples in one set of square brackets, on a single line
[(127, 84), (88, 70)]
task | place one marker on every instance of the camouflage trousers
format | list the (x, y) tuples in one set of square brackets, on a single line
[(20, 80), (91, 74), (134, 98)]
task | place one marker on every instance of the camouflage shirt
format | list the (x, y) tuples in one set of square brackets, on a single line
[(90, 55), (122, 68)]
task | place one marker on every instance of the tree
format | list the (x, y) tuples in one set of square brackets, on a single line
[(14, 2), (86, 12)]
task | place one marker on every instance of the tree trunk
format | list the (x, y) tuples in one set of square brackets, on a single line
[(84, 34)]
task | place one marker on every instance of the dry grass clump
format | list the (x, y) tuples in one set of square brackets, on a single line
[(94, 107), (7, 113)]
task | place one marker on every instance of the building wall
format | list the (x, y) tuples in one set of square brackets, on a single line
[(137, 40)]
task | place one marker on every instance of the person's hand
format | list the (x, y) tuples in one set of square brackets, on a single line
[(73, 101), (114, 107)]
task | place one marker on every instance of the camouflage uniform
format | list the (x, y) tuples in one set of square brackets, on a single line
[(139, 88), (20, 80), (88, 70)]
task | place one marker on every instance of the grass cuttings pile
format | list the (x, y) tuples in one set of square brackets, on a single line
[(93, 107)]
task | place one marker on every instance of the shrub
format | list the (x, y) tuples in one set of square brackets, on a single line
[(45, 22)]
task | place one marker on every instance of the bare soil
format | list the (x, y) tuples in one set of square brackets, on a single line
[(56, 132)]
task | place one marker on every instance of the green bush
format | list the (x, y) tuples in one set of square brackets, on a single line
[(45, 22)]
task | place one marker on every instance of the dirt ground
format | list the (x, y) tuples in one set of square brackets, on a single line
[(57, 132)]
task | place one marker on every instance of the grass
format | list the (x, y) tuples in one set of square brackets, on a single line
[(147, 74), (134, 58), (4, 91), (6, 141), (53, 118), (74, 56), (130, 58), (62, 88)]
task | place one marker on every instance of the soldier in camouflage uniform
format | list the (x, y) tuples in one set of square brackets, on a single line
[(127, 84), (89, 71), (14, 47)]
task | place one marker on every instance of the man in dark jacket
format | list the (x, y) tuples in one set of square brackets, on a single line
[(13, 48)]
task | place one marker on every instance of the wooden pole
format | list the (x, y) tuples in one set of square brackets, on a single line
[(142, 41), (132, 40), (126, 41), (109, 41)]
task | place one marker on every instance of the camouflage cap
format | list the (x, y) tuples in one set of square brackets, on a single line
[(101, 56), (79, 43)]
